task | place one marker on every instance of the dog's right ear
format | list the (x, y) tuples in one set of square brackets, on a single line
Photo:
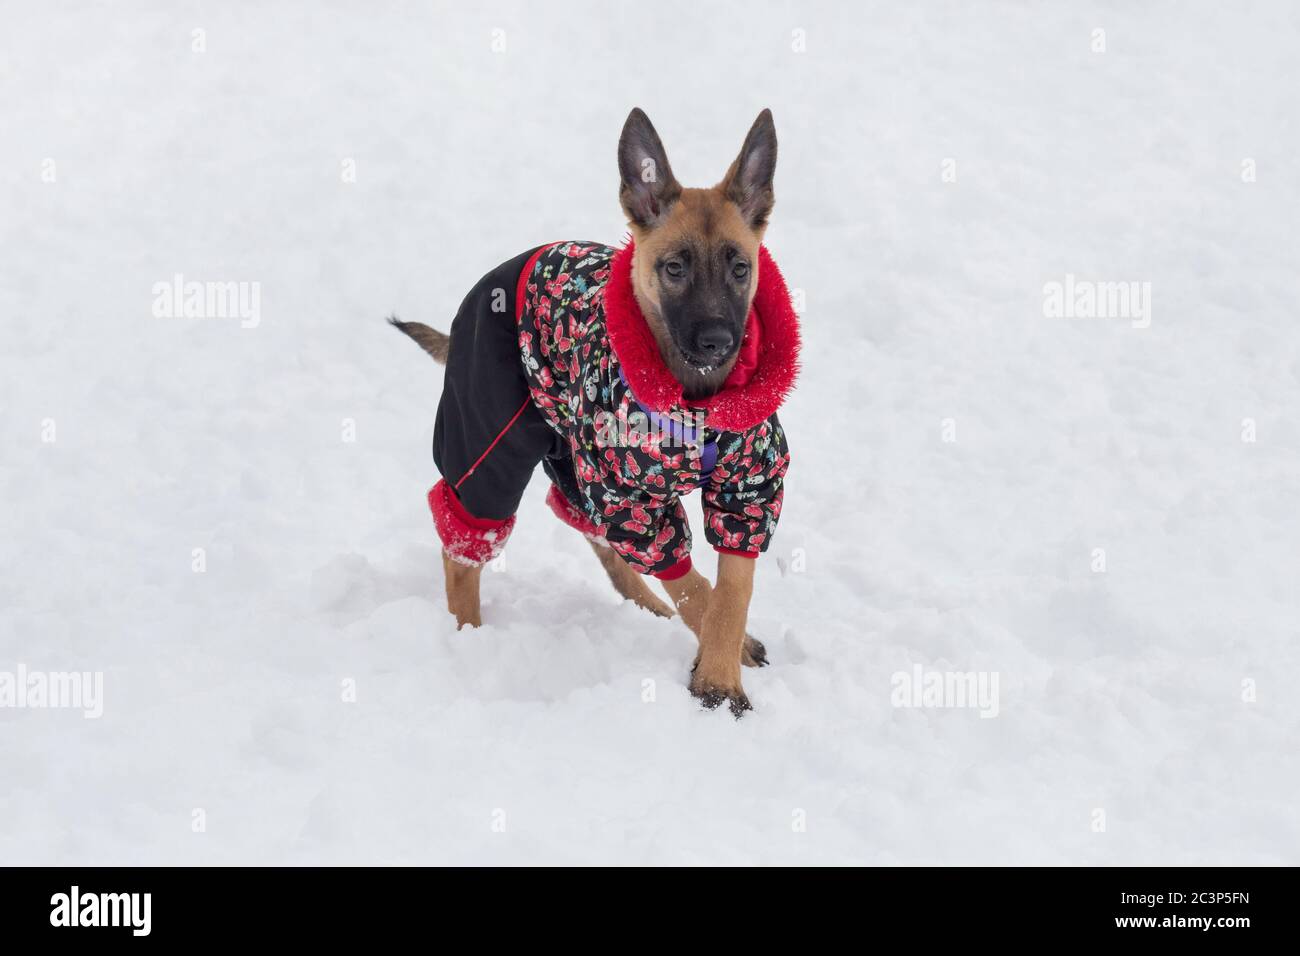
[(649, 188)]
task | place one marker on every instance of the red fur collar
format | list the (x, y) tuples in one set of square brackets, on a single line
[(746, 399)]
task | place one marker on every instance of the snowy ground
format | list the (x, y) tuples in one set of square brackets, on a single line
[(130, 440)]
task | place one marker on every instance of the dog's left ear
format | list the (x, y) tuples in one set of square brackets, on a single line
[(748, 182)]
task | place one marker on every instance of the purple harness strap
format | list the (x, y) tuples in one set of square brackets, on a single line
[(680, 432)]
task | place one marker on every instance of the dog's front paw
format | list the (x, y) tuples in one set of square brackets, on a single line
[(754, 654), (713, 690)]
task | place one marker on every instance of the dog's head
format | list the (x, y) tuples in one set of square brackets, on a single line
[(695, 267)]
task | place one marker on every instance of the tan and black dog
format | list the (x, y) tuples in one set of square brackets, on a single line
[(634, 376)]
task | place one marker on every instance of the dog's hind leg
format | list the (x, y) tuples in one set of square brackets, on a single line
[(468, 543), (627, 582), (462, 591)]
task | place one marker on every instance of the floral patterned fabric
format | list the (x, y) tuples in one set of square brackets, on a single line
[(631, 465)]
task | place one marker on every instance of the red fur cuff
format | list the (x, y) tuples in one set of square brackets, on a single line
[(465, 538), (566, 512)]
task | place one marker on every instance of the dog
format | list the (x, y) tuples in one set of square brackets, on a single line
[(633, 375)]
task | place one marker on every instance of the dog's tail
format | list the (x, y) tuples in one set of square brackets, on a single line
[(431, 340)]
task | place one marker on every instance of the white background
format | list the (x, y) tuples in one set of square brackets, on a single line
[(1120, 691)]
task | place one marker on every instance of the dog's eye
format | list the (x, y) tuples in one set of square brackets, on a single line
[(675, 268), (740, 270)]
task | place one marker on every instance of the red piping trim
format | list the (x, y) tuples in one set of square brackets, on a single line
[(501, 434), (752, 555), (521, 286)]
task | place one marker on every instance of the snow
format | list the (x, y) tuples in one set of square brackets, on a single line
[(305, 698)]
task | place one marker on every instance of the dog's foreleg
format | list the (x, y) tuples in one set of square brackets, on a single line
[(690, 595), (462, 591), (717, 616), (722, 636)]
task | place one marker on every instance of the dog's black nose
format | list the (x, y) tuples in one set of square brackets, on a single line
[(714, 339)]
